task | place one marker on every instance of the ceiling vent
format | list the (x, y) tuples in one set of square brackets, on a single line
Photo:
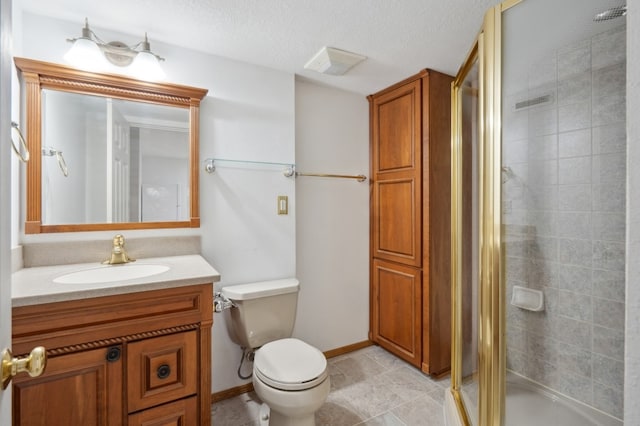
[(333, 61)]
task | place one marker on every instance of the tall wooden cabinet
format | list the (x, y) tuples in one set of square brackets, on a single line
[(410, 136)]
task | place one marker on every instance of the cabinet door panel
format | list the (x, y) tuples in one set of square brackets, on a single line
[(77, 389), (397, 129), (397, 313), (396, 222), (162, 369)]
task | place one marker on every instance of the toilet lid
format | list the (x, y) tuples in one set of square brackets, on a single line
[(290, 364)]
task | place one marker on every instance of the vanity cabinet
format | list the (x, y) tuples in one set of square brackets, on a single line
[(132, 359), (410, 141)]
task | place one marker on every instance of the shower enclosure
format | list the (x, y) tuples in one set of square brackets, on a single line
[(539, 217)]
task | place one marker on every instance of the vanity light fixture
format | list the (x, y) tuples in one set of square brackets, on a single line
[(90, 53)]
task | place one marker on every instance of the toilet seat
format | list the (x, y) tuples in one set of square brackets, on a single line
[(290, 365)]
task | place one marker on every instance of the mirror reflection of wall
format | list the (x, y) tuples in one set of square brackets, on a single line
[(164, 174), (127, 161)]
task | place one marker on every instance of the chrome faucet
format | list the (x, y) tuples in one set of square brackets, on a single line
[(118, 253)]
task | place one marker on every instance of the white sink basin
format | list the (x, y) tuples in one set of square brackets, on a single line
[(111, 273)]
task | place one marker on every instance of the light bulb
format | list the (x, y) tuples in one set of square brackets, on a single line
[(86, 55), (146, 66)]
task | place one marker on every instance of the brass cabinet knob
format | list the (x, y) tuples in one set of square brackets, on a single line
[(33, 364)]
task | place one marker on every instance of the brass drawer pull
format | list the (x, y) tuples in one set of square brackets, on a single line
[(163, 371)]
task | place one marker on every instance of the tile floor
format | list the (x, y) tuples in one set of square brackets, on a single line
[(369, 387)]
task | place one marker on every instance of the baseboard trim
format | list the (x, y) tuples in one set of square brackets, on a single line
[(248, 387), (230, 393), (346, 349)]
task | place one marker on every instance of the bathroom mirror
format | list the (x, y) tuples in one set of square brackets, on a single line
[(115, 153)]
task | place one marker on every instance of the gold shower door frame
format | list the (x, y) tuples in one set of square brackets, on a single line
[(487, 51)]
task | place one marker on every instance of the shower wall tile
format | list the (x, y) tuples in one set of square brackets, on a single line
[(575, 386), (575, 89), (518, 247), (609, 82), (574, 170), (551, 300), (574, 59), (545, 71), (574, 144), (515, 217), (608, 110), (609, 139), (542, 273), (516, 361), (517, 318), (609, 226), (608, 255), (572, 332), (574, 305), (609, 197), (516, 338), (575, 278), (545, 248), (545, 223), (575, 197), (514, 151), (609, 168), (574, 224), (574, 359), (576, 252), (608, 284), (608, 371), (543, 148), (518, 127), (543, 172), (542, 197), (608, 399), (608, 313), (538, 322), (516, 268), (608, 48), (541, 371), (543, 122), (574, 117), (608, 342)]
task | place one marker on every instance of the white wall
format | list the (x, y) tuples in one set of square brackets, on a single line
[(253, 113), (632, 330), (247, 114), (332, 231)]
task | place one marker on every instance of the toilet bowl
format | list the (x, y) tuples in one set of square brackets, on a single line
[(291, 377)]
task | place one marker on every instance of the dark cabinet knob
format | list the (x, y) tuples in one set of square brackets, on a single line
[(163, 371), (113, 354)]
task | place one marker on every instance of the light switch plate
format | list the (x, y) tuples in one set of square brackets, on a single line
[(283, 204)]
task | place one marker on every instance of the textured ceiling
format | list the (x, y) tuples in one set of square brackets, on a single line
[(399, 37)]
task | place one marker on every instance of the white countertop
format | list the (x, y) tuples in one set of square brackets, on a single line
[(33, 286)]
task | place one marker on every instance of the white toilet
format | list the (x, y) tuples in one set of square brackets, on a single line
[(289, 375)]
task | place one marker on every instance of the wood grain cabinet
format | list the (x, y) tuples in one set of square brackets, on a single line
[(133, 359), (410, 137)]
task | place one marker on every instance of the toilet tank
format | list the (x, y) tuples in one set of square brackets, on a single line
[(262, 312)]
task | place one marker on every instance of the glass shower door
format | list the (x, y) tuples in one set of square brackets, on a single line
[(465, 193)]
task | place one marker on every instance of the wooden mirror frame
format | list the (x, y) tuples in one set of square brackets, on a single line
[(38, 75)]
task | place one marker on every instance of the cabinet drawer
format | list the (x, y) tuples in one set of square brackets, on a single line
[(183, 412), (161, 369)]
